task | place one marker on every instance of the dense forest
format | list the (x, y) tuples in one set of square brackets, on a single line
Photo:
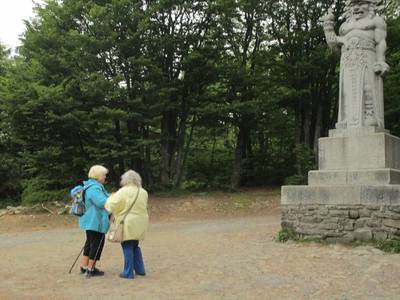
[(209, 94)]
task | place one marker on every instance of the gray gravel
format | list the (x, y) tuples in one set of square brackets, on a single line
[(211, 259)]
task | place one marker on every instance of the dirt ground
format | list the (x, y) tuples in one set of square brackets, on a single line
[(200, 246)]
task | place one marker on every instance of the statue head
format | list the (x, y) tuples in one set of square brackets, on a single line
[(360, 9)]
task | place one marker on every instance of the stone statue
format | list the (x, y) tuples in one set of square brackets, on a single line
[(362, 41)]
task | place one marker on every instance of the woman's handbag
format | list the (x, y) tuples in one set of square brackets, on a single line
[(116, 232)]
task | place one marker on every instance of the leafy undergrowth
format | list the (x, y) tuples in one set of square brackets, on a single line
[(390, 246), (286, 235)]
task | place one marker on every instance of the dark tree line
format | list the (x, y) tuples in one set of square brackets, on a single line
[(192, 94)]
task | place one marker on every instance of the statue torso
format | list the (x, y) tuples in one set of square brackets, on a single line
[(365, 27), (358, 35)]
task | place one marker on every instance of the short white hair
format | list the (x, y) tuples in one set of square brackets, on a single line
[(131, 177), (97, 171)]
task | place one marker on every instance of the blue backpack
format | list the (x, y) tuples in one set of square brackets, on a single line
[(77, 194)]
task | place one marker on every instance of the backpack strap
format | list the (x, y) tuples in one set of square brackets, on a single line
[(84, 190)]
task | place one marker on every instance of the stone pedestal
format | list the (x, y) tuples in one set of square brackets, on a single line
[(355, 194)]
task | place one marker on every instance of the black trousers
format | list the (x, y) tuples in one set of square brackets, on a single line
[(94, 244)]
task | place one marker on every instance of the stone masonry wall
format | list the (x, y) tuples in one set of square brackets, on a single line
[(343, 223)]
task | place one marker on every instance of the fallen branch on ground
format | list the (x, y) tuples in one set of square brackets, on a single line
[(63, 211), (47, 209)]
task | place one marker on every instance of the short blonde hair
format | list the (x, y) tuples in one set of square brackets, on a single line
[(97, 171), (131, 177)]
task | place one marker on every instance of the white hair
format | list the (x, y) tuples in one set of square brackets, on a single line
[(97, 171), (131, 177)]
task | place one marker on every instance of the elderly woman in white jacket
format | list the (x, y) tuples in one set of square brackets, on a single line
[(135, 223)]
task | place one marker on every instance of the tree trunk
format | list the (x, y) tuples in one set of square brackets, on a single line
[(307, 127), (180, 148), (318, 129), (118, 137), (165, 157), (297, 137), (146, 159), (168, 132), (211, 165), (183, 157), (240, 153), (178, 161)]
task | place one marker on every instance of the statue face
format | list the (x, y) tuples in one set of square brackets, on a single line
[(360, 10)]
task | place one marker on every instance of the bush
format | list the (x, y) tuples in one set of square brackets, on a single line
[(296, 180), (285, 235), (37, 190), (192, 185), (305, 161), (9, 202), (202, 172), (392, 246), (10, 174)]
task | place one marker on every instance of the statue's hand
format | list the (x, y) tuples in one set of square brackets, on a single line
[(328, 20), (381, 68), (329, 15), (340, 40)]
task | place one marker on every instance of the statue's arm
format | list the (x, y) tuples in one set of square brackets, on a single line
[(381, 67), (333, 40)]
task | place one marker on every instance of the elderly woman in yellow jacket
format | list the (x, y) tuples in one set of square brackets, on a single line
[(135, 223)]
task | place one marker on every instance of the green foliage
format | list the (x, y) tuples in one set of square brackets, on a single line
[(285, 235), (296, 180), (10, 165), (193, 185), (37, 190), (209, 164), (392, 87), (192, 94), (391, 246), (304, 163)]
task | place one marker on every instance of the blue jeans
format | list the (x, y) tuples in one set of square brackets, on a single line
[(133, 260)]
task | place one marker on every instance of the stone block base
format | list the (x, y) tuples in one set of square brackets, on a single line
[(341, 194), (343, 223), (354, 177), (360, 131), (373, 151), (354, 194)]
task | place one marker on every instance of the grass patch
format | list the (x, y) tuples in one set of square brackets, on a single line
[(390, 246), (285, 235), (242, 201)]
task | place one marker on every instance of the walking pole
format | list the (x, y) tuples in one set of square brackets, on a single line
[(73, 265), (97, 252)]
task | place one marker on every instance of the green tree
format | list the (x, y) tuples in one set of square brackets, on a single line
[(10, 173)]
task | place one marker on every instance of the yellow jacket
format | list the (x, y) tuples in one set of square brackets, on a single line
[(137, 220)]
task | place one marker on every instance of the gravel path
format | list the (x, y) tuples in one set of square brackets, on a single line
[(229, 258)]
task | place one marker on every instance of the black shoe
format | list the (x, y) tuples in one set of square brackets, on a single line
[(83, 270), (94, 272), (98, 272)]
